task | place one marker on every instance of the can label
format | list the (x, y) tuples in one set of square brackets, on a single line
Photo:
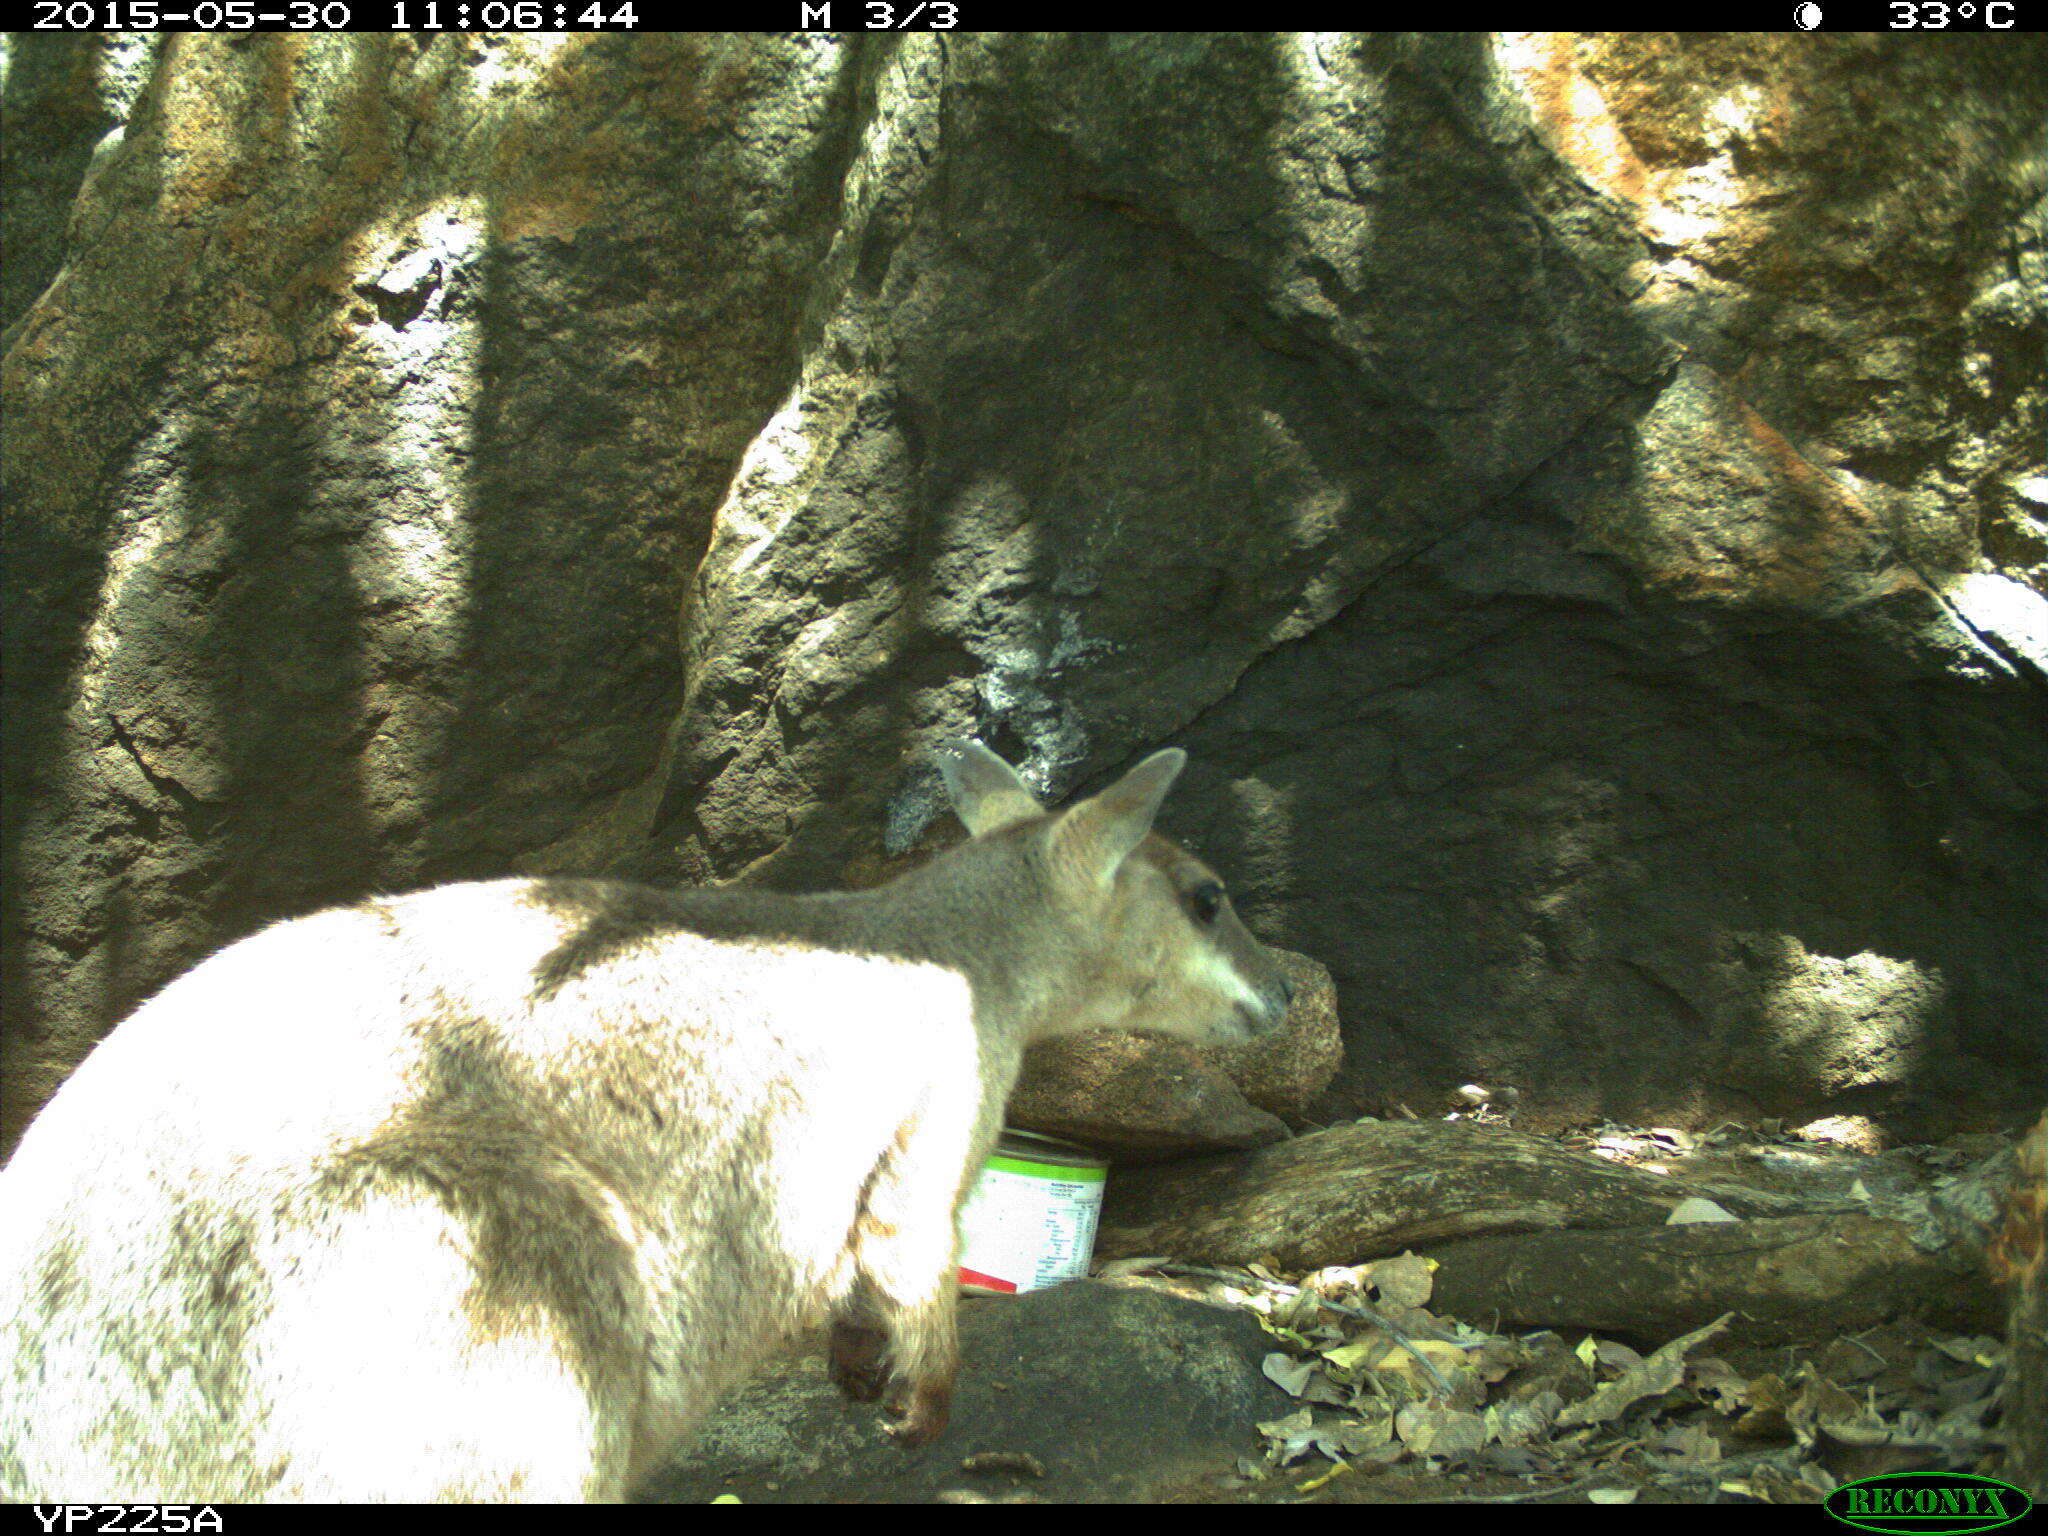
[(1029, 1224)]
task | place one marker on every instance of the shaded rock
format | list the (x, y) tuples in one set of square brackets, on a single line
[(60, 111), (1757, 175), (370, 476), (1542, 841), (1107, 1389), (1154, 1095), (1148, 1097), (1285, 1073), (1005, 530), (1713, 503)]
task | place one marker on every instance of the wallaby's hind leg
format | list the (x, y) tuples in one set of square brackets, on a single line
[(925, 1361), (907, 1284), (856, 1361)]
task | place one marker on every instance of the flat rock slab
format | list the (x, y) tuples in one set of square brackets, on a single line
[(1110, 1390)]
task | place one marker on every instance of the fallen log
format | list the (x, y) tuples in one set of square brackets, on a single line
[(1377, 1187), (1532, 1233), (1784, 1278)]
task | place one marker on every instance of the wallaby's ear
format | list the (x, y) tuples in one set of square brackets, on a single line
[(987, 794), (1094, 838)]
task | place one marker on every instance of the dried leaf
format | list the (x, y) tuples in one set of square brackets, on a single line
[(1688, 1445), (1291, 1437), (1514, 1460), (1848, 1359), (1817, 1476), (1405, 1281), (1323, 1390), (1529, 1419), (1354, 1437), (1768, 1398), (1968, 1391), (1449, 1359), (1496, 1358), (1019, 1463), (1775, 1487), (1123, 1269), (1316, 1482), (1654, 1377), (1616, 1356), (1967, 1351), (1359, 1354), (1429, 1430), (1718, 1383), (1335, 1280), (1696, 1209), (1292, 1376), (1820, 1405)]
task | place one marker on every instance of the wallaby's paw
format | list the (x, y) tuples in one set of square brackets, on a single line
[(920, 1412), (855, 1361)]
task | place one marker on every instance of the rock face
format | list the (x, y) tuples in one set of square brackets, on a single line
[(1578, 500)]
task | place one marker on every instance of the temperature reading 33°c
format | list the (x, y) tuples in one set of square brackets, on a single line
[(1939, 15)]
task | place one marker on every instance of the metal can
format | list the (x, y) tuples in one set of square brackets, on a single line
[(1030, 1221)]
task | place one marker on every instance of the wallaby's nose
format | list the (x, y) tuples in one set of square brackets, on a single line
[(1281, 991)]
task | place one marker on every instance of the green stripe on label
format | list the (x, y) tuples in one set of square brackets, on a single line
[(1066, 1171)]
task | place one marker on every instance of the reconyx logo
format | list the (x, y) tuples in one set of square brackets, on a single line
[(1948, 1502)]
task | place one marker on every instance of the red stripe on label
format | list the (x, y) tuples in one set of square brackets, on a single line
[(987, 1282)]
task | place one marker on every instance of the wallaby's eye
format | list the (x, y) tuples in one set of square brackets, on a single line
[(1205, 901)]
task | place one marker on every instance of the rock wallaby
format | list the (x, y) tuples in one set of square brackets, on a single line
[(488, 1191)]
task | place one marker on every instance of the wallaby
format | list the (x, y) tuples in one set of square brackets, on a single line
[(486, 1192)]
